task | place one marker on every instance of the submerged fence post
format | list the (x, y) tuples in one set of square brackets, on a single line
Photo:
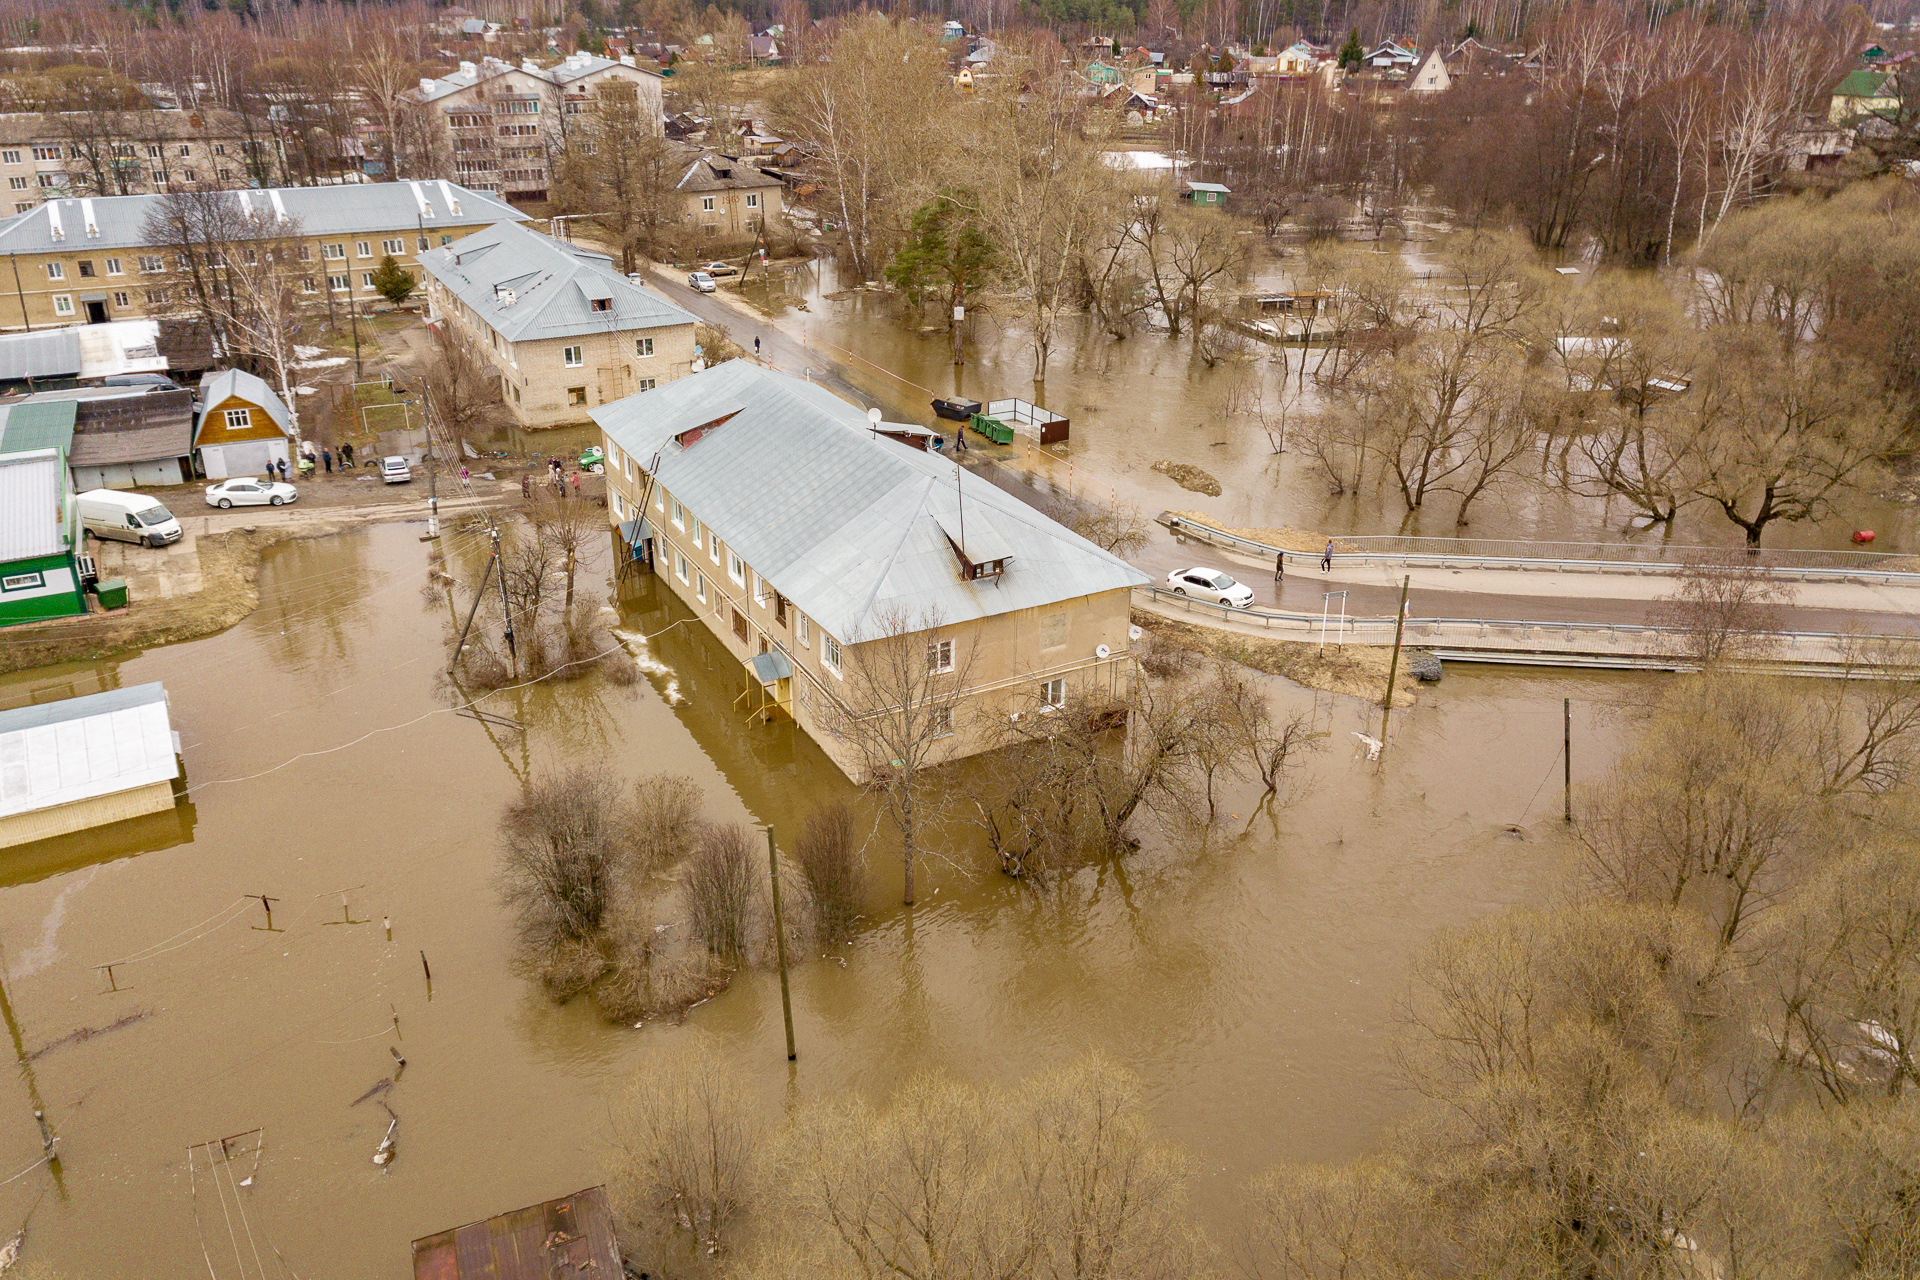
[(780, 942)]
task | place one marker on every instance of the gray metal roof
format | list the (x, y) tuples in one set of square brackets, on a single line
[(845, 524), (149, 425), (118, 222), (31, 486), (218, 386), (528, 286), (50, 353), (575, 66), (78, 748)]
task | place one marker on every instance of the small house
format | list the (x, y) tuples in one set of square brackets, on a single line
[(569, 1236), (1432, 75), (39, 534), (1207, 194), (85, 762), (1864, 93), (243, 426)]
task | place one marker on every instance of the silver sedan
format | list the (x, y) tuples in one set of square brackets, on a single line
[(245, 491)]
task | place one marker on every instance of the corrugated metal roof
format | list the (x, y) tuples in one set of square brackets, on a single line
[(574, 67), (847, 525), (59, 752), (218, 386), (31, 524), (37, 424), (147, 426), (118, 222), (528, 286), (51, 353), (571, 1236)]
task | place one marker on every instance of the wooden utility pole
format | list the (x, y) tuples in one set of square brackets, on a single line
[(780, 943), (1566, 758), (1393, 667), (266, 902)]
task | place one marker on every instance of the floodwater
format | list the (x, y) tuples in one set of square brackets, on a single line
[(1251, 980), (1149, 397)]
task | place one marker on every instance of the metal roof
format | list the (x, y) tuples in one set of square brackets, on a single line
[(59, 752), (569, 1236), (528, 286), (148, 425), (31, 487), (119, 222), (37, 424), (1213, 187), (575, 66), (216, 387), (848, 525), (51, 353)]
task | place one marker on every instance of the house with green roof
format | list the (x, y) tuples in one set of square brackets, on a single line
[(1864, 93), (39, 536)]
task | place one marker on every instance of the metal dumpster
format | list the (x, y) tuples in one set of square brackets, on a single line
[(112, 593), (993, 429)]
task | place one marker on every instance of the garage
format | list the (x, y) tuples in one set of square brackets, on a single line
[(242, 457)]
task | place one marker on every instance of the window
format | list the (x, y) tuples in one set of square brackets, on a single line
[(156, 296), (121, 300), (643, 346), (599, 304), (803, 629), (86, 268), (306, 284), (339, 284), (123, 148), (226, 175), (739, 626), (46, 153), (22, 581), (736, 567), (49, 179), (22, 208), (113, 267), (150, 263), (678, 514), (393, 246), (237, 419), (187, 175), (753, 200), (63, 304), (679, 566), (760, 591), (699, 534), (830, 652), (648, 384), (700, 587), (706, 204), (18, 183), (306, 253), (186, 148), (159, 177), (56, 271), (446, 240), (942, 718), (11, 157), (576, 396), (572, 357), (363, 247), (426, 243), (1054, 693), (153, 151), (659, 499), (219, 148), (939, 656), (333, 251), (366, 280)]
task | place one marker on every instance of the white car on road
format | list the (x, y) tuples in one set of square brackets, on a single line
[(701, 282), (1211, 584), (245, 491)]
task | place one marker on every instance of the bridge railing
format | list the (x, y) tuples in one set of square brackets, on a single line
[(1565, 557)]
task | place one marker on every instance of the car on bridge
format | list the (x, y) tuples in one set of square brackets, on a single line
[(1211, 584)]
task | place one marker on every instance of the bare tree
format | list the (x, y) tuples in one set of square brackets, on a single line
[(720, 884), (463, 391), (560, 847), (829, 858), (1725, 608)]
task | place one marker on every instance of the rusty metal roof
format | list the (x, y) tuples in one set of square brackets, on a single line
[(571, 1237)]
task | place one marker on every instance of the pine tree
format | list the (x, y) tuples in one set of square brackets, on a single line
[(1351, 54), (392, 282)]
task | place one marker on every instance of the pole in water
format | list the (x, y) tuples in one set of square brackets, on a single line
[(428, 970), (266, 902), (1393, 667), (1566, 758), (780, 944)]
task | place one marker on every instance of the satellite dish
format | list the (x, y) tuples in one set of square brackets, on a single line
[(1133, 633), (873, 416), (1101, 651)]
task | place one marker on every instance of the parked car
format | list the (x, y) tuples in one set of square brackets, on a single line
[(1211, 584), (156, 381), (126, 517), (719, 269), (701, 281), (394, 469), (245, 491)]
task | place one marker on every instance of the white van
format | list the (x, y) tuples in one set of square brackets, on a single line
[(127, 517), (394, 469)]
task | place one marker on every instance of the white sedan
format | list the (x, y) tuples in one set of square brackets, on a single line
[(1211, 584), (244, 491)]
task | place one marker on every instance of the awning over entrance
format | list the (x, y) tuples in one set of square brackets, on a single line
[(635, 532), (771, 667)]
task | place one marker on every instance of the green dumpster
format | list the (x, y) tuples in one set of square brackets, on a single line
[(993, 429), (112, 593)]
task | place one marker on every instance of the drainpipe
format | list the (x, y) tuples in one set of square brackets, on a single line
[(21, 293)]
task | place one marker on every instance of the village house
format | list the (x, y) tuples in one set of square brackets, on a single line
[(500, 122), (726, 199), (86, 762), (1861, 94), (93, 259), (111, 437), (243, 426), (119, 153), (804, 537), (39, 537), (560, 328)]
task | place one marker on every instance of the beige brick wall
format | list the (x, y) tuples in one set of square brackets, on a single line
[(1005, 658), (42, 824)]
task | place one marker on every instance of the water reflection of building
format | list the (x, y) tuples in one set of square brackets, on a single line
[(818, 549)]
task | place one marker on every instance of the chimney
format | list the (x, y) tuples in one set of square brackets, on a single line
[(466, 68), (426, 85)]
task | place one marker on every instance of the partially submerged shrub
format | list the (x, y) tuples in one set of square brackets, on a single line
[(720, 884), (829, 860)]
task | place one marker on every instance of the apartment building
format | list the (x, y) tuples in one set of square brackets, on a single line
[(93, 259), (726, 199), (499, 124), (562, 330), (116, 153), (804, 536)]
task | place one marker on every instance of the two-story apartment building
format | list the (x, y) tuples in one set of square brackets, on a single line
[(501, 124), (726, 198), (95, 259), (118, 153), (562, 330), (805, 538)]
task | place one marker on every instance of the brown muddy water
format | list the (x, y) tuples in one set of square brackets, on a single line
[(1252, 980), (1134, 401)]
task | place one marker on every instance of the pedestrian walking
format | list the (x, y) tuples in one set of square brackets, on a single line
[(756, 348), (282, 464), (1326, 558), (326, 456), (463, 475), (576, 484), (1280, 567), (526, 487)]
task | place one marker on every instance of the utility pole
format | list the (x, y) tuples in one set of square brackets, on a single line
[(1393, 667), (266, 902), (1566, 758), (433, 488), (780, 943), (506, 610)]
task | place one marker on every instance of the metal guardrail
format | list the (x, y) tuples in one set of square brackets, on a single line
[(1564, 557)]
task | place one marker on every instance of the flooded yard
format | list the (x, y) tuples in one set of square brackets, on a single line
[(1251, 979)]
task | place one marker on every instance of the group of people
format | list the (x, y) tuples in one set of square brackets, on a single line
[(309, 462), (556, 476)]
